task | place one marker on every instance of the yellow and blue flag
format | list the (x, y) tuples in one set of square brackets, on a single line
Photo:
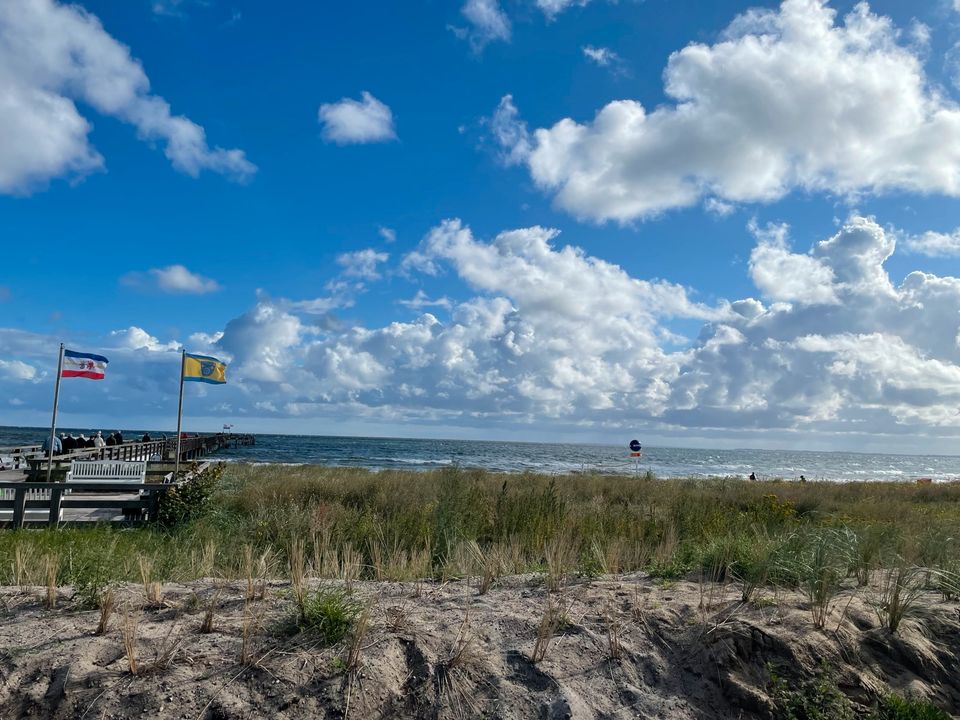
[(203, 368)]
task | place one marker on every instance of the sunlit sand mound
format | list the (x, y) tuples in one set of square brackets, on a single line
[(605, 648)]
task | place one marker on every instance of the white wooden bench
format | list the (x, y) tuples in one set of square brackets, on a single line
[(120, 472), (108, 471)]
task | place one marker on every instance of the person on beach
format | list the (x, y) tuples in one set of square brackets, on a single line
[(753, 476), (802, 479)]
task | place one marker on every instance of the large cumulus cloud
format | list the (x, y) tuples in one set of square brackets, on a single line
[(551, 336), (54, 55), (786, 99)]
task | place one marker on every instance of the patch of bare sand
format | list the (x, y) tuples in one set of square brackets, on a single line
[(624, 647)]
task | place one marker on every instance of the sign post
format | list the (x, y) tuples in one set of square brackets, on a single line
[(636, 454)]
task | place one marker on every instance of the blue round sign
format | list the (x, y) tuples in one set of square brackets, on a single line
[(635, 445)]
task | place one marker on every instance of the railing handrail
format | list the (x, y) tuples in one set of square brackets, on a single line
[(82, 485)]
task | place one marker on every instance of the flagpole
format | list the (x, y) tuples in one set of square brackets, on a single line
[(183, 364), (53, 421)]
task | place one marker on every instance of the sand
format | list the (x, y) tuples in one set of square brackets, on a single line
[(631, 648)]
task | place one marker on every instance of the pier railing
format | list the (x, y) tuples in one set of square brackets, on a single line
[(55, 501), (33, 460), (30, 501), (32, 504)]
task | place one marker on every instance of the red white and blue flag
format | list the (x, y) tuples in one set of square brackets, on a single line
[(85, 365)]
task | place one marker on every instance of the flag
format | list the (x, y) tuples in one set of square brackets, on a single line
[(202, 368), (85, 365)]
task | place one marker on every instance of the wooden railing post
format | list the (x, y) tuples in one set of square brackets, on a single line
[(56, 494), (19, 507), (153, 505)]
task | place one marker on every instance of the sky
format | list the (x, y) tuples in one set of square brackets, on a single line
[(700, 224)]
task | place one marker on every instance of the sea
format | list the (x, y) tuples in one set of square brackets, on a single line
[(518, 457)]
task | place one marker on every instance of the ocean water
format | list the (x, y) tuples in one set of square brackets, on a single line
[(392, 453)]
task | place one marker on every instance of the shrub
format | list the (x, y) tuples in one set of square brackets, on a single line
[(190, 500), (894, 707), (818, 698), (329, 613)]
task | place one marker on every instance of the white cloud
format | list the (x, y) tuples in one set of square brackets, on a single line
[(551, 8), (262, 342), (135, 338), (351, 122), (18, 370), (554, 335), (783, 275), (847, 351), (487, 21), (421, 300), (167, 7), (362, 263), (510, 132), (54, 55), (718, 207), (787, 99), (935, 244), (174, 279), (549, 336), (604, 57), (919, 34), (389, 235)]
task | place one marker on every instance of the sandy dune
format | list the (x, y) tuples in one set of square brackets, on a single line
[(628, 648)]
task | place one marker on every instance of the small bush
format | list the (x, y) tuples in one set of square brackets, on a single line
[(818, 698), (329, 613), (191, 500), (894, 707)]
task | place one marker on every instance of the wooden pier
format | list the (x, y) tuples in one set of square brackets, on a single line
[(30, 461), (26, 499)]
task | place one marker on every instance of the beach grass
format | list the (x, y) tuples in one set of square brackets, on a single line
[(357, 524)]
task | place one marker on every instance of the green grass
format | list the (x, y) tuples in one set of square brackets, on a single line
[(894, 707), (329, 614), (406, 525)]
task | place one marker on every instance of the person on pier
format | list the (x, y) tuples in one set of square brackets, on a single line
[(57, 446), (98, 441), (68, 442)]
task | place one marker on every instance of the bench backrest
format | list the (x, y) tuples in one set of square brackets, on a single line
[(107, 471)]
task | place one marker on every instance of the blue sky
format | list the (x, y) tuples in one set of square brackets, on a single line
[(704, 223)]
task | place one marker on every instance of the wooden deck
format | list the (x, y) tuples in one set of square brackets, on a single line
[(27, 500), (33, 462)]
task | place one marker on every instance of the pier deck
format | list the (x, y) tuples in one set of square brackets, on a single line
[(26, 499)]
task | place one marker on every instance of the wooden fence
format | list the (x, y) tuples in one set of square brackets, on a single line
[(136, 502)]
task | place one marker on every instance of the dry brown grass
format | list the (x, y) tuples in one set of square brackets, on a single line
[(553, 618), (152, 590), (209, 612), (108, 603), (51, 564), (130, 623)]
